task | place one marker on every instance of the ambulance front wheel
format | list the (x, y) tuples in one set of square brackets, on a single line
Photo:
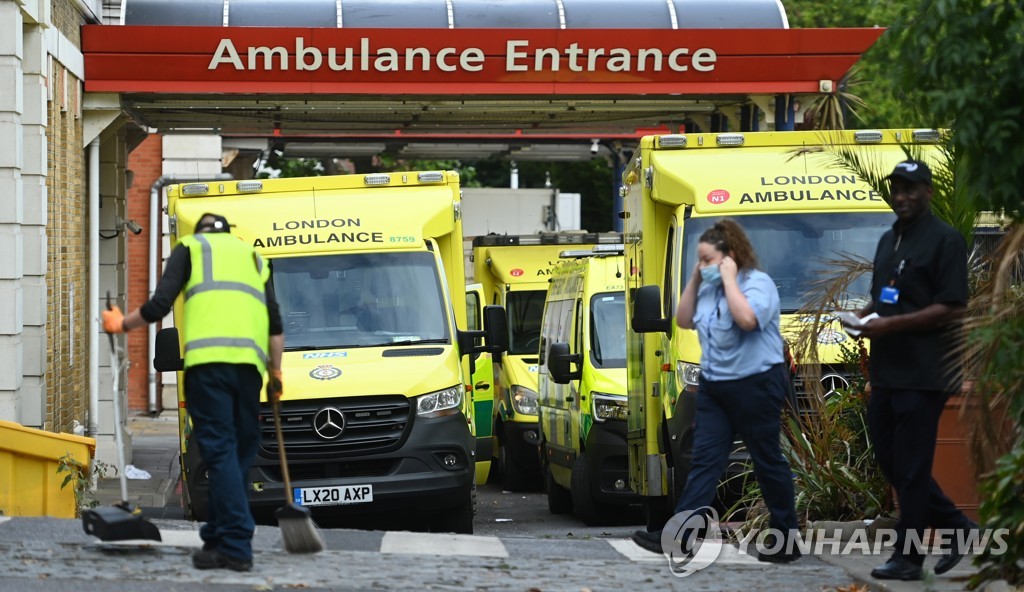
[(513, 477), (458, 520), (586, 506), (559, 498), (657, 511)]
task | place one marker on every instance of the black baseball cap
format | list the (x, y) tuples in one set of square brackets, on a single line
[(914, 171), (219, 224)]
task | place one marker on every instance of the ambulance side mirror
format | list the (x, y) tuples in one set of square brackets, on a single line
[(167, 357), (559, 360), (496, 330), (495, 336), (647, 312)]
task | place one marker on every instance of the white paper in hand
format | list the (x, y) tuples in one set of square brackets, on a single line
[(852, 323)]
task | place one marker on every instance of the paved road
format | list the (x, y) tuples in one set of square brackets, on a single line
[(53, 554), (518, 545)]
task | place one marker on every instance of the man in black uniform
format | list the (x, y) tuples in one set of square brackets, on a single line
[(919, 291)]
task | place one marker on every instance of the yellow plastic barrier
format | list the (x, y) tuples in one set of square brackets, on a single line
[(29, 482)]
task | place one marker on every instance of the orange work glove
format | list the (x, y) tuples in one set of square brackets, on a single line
[(113, 320), (274, 387)]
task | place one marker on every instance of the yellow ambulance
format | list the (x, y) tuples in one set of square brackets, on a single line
[(582, 386), (368, 271), (513, 272), (800, 207)]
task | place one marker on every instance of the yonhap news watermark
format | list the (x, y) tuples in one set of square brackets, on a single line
[(692, 541)]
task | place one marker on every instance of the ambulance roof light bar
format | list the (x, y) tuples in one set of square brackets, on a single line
[(195, 188), (672, 141), (430, 177), (597, 251), (249, 186), (548, 238), (867, 136)]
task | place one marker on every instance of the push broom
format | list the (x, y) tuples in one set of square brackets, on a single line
[(298, 531)]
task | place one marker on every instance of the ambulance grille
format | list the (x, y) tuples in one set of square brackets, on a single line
[(832, 378), (347, 426)]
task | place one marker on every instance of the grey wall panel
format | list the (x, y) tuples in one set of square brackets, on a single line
[(730, 14), (505, 14), (414, 14), (200, 13), (275, 13)]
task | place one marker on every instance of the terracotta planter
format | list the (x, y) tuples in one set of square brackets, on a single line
[(953, 468)]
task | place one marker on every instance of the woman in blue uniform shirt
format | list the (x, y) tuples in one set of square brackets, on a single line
[(734, 307)]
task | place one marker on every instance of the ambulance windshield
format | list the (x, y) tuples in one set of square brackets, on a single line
[(360, 300), (525, 308), (608, 330), (794, 249)]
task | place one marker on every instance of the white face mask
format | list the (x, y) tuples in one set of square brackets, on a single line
[(711, 275)]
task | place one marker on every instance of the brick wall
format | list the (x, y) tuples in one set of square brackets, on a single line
[(67, 256), (67, 20), (146, 164)]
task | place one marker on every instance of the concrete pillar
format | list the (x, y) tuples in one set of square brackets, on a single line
[(113, 268), (34, 127), (12, 212)]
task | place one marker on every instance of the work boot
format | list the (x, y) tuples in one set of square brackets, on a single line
[(649, 541), (953, 551), (774, 552), (213, 559), (898, 568)]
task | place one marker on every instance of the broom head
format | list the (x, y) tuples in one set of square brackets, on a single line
[(298, 531)]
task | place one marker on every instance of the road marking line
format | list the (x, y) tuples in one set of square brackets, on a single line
[(730, 554), (169, 538), (419, 543), (634, 552)]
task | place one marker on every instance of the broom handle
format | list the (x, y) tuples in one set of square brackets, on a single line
[(280, 448)]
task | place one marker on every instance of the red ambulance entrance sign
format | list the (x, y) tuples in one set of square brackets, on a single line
[(312, 61)]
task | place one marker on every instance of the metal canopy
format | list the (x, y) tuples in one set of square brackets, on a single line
[(522, 127), (499, 14)]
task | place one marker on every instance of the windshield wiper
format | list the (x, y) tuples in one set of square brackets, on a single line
[(413, 342)]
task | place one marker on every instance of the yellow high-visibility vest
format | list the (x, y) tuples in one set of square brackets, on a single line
[(226, 318)]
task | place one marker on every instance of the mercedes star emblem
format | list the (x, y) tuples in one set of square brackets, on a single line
[(329, 423), (832, 383)]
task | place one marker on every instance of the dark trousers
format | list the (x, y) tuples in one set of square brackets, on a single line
[(223, 401), (752, 408), (904, 426)]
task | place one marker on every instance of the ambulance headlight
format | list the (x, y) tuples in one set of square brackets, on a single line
[(613, 407), (440, 403), (524, 400), (687, 374)]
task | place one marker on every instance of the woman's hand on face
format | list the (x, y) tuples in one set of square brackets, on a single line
[(695, 276), (728, 269)]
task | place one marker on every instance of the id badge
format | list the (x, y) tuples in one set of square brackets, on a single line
[(890, 295)]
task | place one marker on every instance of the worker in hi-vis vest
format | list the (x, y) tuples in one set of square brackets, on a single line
[(233, 333)]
